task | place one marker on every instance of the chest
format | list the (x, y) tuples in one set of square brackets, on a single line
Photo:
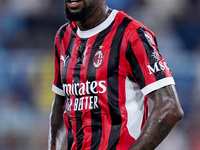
[(89, 60)]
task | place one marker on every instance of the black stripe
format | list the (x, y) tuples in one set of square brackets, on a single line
[(57, 55), (113, 66), (64, 73), (68, 53), (149, 51), (147, 45), (77, 68), (96, 120), (77, 71), (59, 83), (71, 42), (62, 32), (70, 138), (135, 67)]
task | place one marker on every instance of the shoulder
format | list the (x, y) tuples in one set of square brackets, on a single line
[(133, 24), (133, 27), (66, 28)]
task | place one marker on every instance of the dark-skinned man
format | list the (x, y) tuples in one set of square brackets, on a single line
[(107, 66)]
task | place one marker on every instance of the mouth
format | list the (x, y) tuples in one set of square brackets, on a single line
[(74, 3), (71, 1)]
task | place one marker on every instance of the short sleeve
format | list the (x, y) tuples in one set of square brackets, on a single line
[(147, 67), (57, 84)]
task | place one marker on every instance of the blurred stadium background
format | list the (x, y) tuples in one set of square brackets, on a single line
[(27, 30)]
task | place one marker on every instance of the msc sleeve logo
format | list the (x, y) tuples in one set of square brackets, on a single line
[(158, 66)]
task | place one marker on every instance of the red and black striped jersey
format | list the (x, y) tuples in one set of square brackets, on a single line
[(105, 74)]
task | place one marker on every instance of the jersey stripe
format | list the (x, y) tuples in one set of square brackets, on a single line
[(57, 63), (141, 56), (69, 76), (146, 111), (66, 44), (138, 76), (69, 134), (86, 118), (91, 72), (77, 71), (96, 114), (115, 111), (62, 32), (123, 143), (150, 48), (101, 72), (126, 54)]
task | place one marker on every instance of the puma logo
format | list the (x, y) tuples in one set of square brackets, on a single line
[(64, 58)]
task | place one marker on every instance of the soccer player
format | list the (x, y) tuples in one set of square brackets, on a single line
[(107, 65)]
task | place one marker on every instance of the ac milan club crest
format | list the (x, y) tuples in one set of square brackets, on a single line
[(98, 59)]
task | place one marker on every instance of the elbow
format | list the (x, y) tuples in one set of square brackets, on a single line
[(179, 114), (177, 111), (171, 113), (175, 114)]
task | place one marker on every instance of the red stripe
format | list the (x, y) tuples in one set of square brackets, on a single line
[(57, 67), (61, 51), (101, 73), (166, 70), (64, 44), (125, 140), (65, 41), (66, 123), (140, 54), (146, 111)]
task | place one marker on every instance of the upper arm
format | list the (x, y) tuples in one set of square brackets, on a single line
[(145, 63), (165, 114), (58, 106), (59, 100), (57, 84), (166, 101)]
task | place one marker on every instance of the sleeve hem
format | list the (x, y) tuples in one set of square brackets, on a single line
[(158, 84), (57, 90)]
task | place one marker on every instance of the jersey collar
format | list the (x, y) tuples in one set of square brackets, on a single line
[(99, 28)]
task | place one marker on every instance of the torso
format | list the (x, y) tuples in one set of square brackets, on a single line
[(100, 87)]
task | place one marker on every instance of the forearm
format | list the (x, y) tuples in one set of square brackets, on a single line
[(153, 133), (57, 132), (165, 114)]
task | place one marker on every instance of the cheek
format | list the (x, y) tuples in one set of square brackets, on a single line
[(92, 3)]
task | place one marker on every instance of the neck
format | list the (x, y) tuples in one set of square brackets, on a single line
[(94, 19)]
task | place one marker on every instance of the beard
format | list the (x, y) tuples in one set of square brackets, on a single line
[(86, 11)]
